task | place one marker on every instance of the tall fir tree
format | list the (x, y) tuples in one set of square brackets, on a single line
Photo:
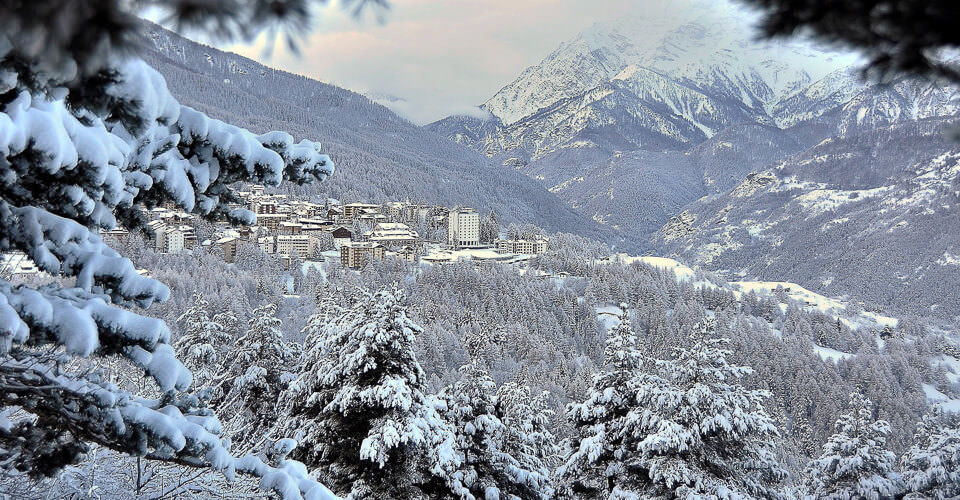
[(490, 467), (359, 410), (594, 463), (699, 432), (201, 345), (931, 467), (855, 462), (528, 421), (255, 373)]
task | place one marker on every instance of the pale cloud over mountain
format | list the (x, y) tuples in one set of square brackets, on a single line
[(444, 57)]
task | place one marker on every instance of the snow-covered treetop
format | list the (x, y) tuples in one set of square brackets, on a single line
[(855, 462)]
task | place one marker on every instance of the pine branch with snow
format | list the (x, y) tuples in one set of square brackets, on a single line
[(84, 151)]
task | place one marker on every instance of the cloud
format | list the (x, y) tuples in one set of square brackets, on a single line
[(473, 112), (443, 57)]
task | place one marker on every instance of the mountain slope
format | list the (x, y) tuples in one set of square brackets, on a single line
[(872, 215), (379, 156)]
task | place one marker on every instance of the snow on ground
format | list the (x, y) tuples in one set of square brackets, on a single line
[(940, 399), (820, 201), (443, 255), (951, 364), (17, 263), (828, 354), (608, 316), (683, 272), (816, 302)]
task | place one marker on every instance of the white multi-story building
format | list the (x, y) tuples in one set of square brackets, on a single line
[(463, 228), (289, 244), (536, 246), (173, 240)]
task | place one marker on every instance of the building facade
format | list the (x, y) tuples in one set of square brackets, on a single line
[(463, 228), (532, 247), (358, 253)]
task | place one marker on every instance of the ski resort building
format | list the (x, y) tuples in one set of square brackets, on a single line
[(463, 228)]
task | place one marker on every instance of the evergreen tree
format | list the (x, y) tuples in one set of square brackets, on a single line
[(700, 433), (855, 463), (931, 467), (595, 460), (247, 391), (359, 410), (527, 418), (490, 467), (203, 339)]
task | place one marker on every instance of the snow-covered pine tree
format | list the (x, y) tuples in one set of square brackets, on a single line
[(359, 410), (595, 460), (855, 462), (527, 418), (201, 344), (89, 136), (700, 433), (489, 467), (247, 391), (931, 467)]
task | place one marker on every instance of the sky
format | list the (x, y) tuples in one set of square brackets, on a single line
[(441, 57)]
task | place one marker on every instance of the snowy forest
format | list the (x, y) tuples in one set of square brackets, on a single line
[(581, 373)]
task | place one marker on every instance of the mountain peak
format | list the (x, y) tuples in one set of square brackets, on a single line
[(715, 48)]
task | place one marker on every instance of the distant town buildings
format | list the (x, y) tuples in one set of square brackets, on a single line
[(228, 245), (463, 228), (393, 235), (332, 230), (341, 236), (295, 244), (355, 210)]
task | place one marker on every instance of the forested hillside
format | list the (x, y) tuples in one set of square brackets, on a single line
[(544, 328)]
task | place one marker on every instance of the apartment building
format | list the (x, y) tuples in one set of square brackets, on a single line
[(463, 228), (356, 254), (393, 235), (299, 244), (535, 246)]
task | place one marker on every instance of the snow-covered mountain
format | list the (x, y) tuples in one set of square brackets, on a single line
[(696, 69), (871, 214), (619, 92), (763, 159), (599, 107)]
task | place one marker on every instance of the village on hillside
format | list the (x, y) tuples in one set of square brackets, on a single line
[(350, 233)]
